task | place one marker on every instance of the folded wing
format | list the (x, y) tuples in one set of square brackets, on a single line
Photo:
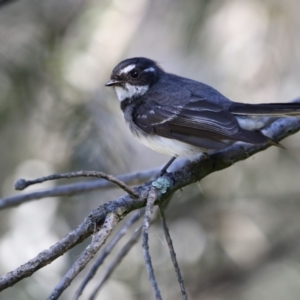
[(199, 123)]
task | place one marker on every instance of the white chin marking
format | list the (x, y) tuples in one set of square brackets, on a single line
[(127, 69), (130, 91)]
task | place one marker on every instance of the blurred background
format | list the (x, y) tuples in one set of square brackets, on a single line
[(237, 232)]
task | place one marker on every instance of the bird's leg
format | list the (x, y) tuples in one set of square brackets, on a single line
[(164, 169)]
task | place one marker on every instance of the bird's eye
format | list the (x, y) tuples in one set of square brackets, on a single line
[(134, 74)]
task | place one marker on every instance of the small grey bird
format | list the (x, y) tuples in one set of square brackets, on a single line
[(182, 117)]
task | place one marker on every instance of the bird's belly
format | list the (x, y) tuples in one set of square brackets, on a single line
[(168, 146), (161, 144)]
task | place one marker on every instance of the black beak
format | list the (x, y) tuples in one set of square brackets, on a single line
[(112, 82)]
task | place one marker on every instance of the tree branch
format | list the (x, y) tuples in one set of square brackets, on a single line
[(152, 197), (130, 178), (116, 261), (106, 251), (122, 206), (173, 254), (98, 240), (72, 189)]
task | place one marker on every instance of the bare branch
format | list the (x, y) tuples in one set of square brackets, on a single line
[(117, 261), (22, 183), (186, 175), (47, 256), (75, 188), (106, 251), (238, 151), (173, 254), (90, 251), (64, 190), (152, 197), (129, 178)]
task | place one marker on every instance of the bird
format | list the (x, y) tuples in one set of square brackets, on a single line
[(182, 117)]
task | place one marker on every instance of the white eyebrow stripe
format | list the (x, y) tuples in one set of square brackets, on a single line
[(127, 69), (151, 69)]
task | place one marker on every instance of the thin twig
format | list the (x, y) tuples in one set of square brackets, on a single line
[(129, 178), (152, 196), (106, 251), (116, 261), (122, 206), (277, 130), (186, 175), (22, 183), (73, 189), (173, 254), (89, 252), (125, 249), (64, 190)]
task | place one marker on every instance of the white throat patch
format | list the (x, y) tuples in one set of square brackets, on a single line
[(130, 91)]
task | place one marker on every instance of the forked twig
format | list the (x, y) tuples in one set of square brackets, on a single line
[(21, 184), (173, 254), (116, 261), (152, 196), (129, 178), (106, 251), (63, 190), (89, 252), (186, 175)]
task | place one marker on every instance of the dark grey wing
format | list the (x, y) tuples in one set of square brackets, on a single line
[(199, 123)]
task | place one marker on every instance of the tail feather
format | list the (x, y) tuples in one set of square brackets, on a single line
[(261, 110), (272, 109), (274, 143)]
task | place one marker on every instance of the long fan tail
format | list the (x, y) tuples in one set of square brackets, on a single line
[(271, 109)]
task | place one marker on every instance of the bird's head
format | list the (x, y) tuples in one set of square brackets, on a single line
[(132, 77)]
